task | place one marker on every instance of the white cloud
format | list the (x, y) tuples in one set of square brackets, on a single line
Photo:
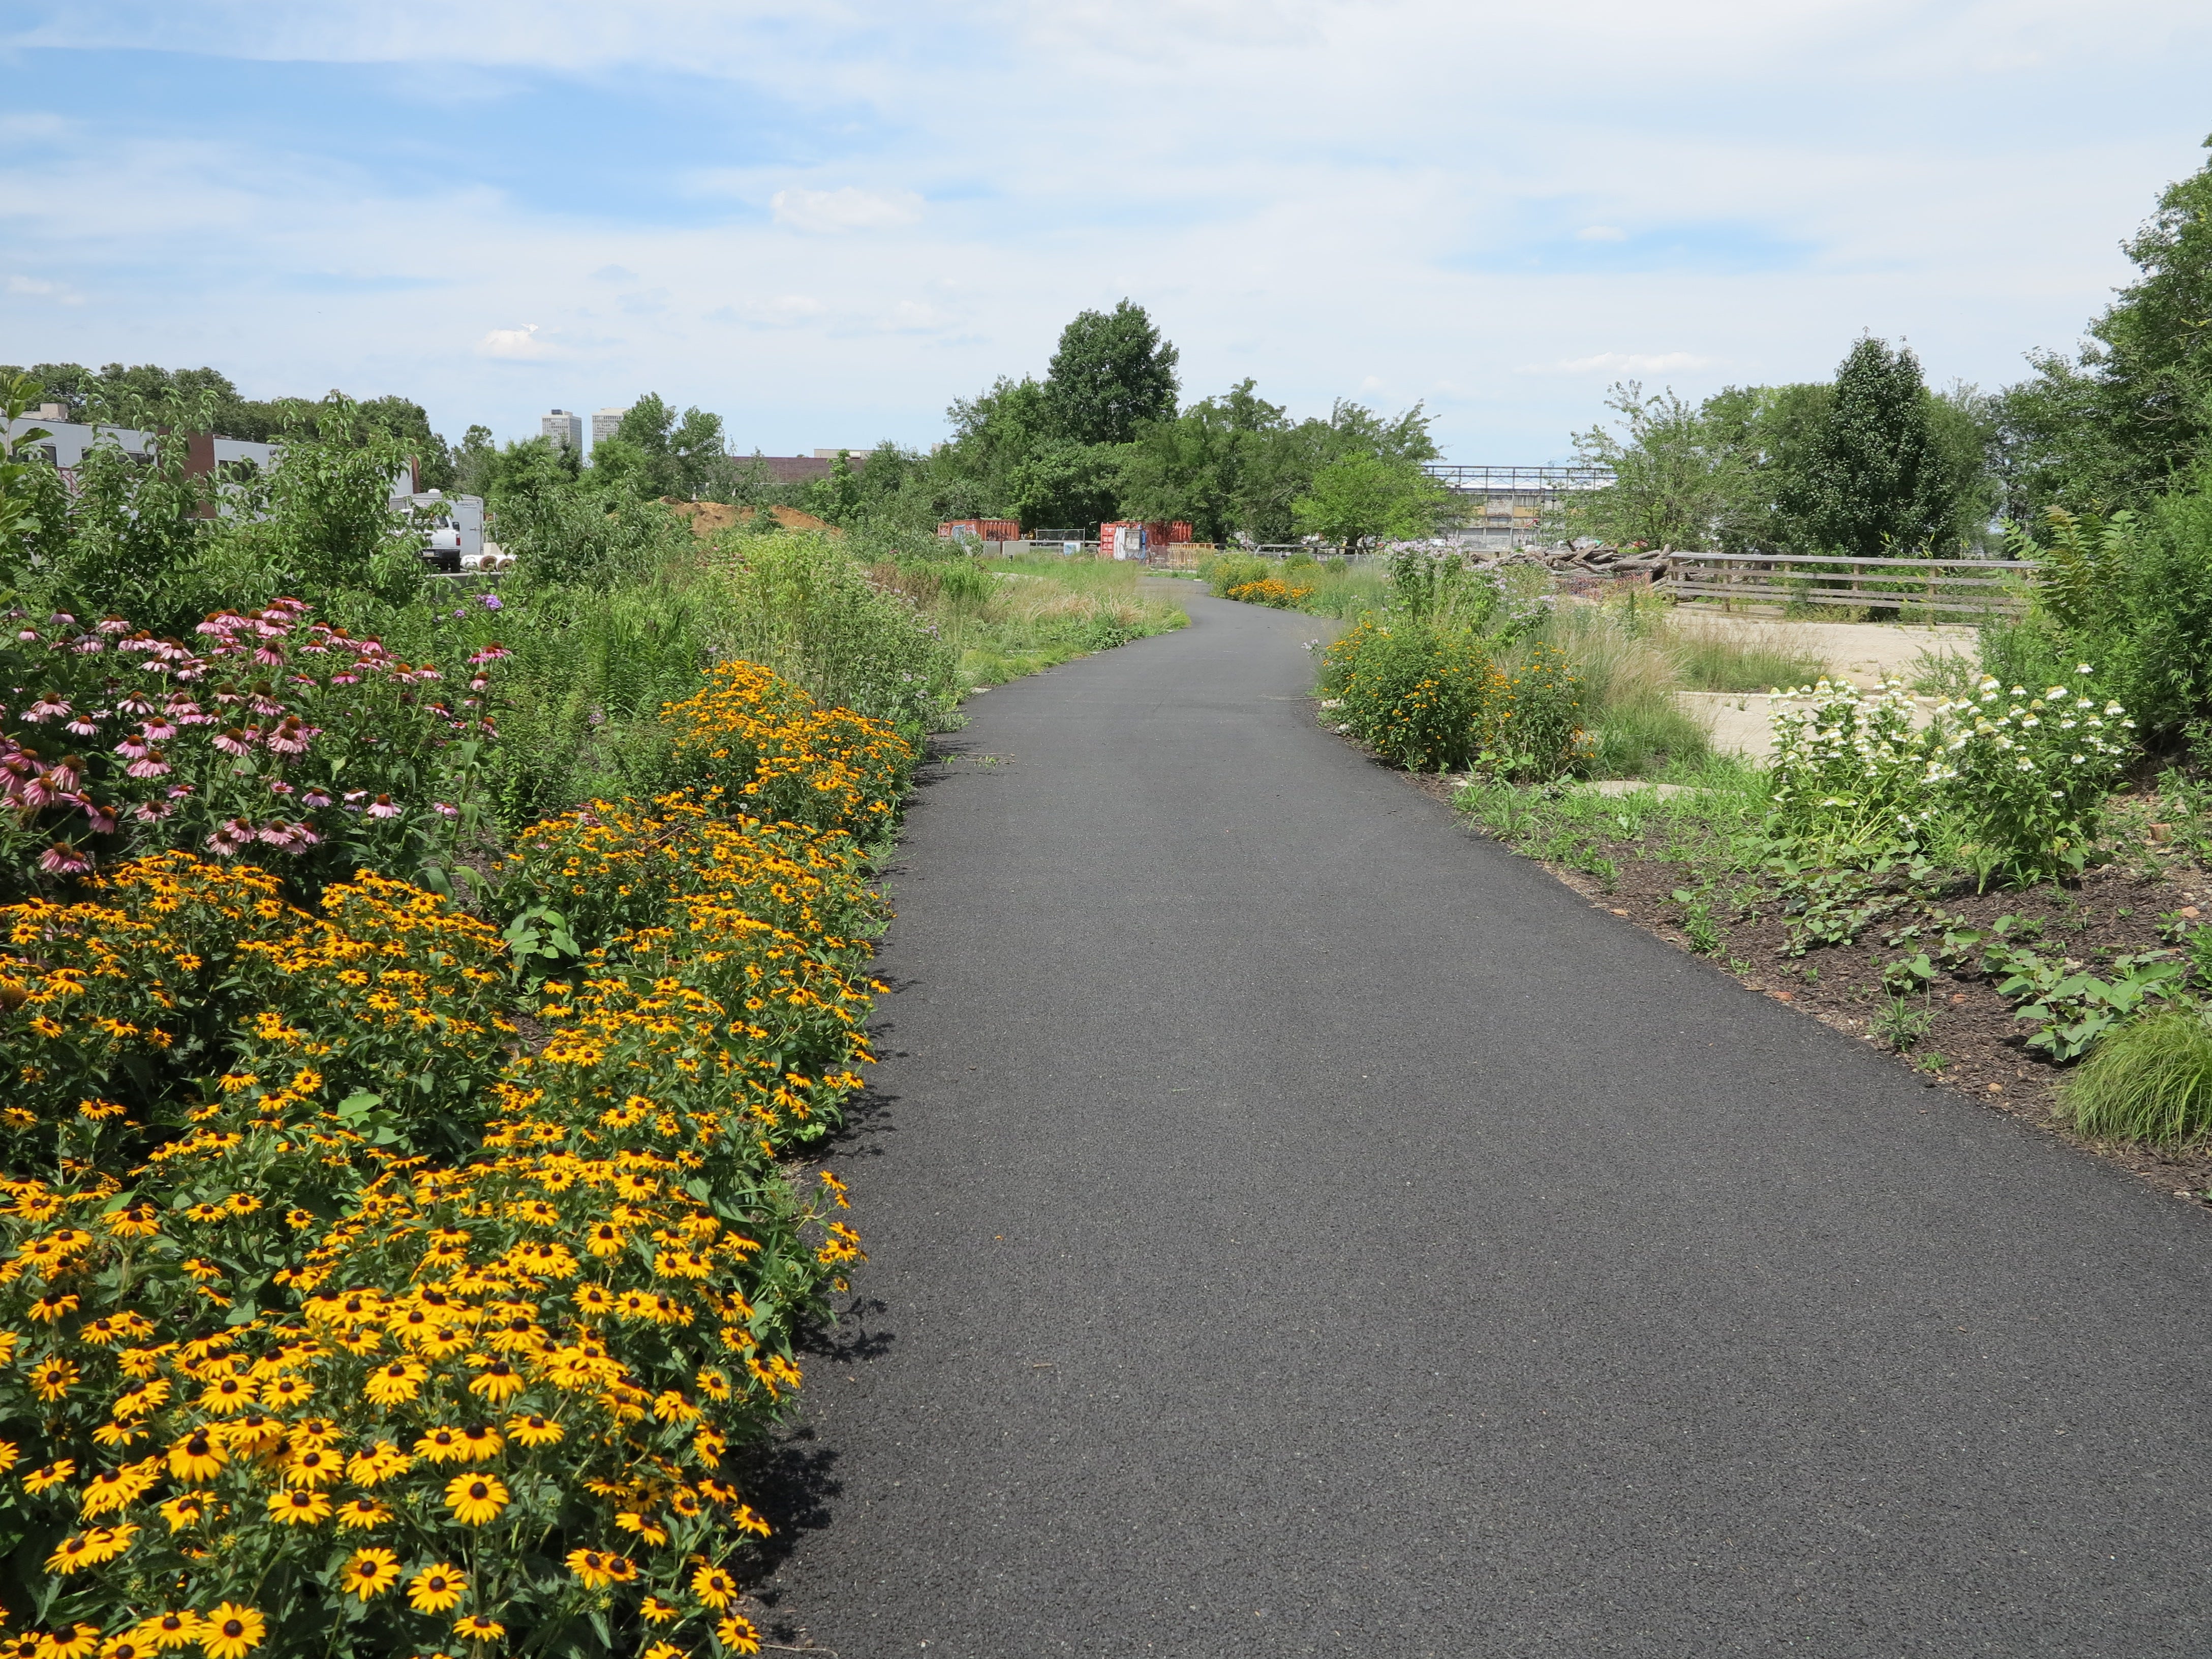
[(1634, 362), (513, 343), (1601, 233), (820, 212), (36, 288)]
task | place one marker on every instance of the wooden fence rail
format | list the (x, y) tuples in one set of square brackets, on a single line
[(1960, 586)]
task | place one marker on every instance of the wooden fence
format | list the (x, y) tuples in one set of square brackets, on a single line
[(1963, 587)]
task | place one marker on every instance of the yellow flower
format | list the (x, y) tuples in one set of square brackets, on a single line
[(738, 1635), (479, 1441), (714, 1586), (654, 1611), (231, 1632), (534, 1430), (370, 1572), (380, 1463), (299, 1507), (81, 1643), (185, 1509), (477, 1628), (164, 1630), (436, 1589), (226, 1395), (52, 1476), (314, 1466), (359, 1514), (441, 1445), (111, 1489), (126, 1646), (475, 1499), (396, 1383), (591, 1566), (498, 1382), (196, 1457), (52, 1378)]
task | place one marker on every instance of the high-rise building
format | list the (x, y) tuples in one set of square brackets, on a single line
[(604, 423), (566, 430)]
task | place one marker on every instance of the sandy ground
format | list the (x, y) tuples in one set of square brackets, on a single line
[(1865, 653)]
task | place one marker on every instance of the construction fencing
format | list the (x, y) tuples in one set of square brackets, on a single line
[(1954, 587)]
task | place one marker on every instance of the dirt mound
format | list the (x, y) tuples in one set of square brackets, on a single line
[(707, 517)]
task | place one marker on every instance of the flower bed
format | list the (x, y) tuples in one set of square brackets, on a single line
[(340, 1318)]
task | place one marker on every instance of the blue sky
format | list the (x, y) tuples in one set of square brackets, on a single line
[(826, 221)]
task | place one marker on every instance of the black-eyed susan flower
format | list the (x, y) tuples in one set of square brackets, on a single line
[(654, 1611), (232, 1631), (359, 1514), (186, 1509), (314, 1466), (46, 1480), (397, 1383), (498, 1381), (436, 1589), (53, 1378), (377, 1464), (164, 1632), (196, 1457), (475, 1627), (534, 1430), (441, 1445), (475, 1499), (81, 1643), (738, 1635), (591, 1566), (368, 1573), (226, 1395), (714, 1586), (478, 1441), (299, 1507)]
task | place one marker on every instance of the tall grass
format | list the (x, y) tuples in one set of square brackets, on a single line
[(1710, 660), (2150, 1081)]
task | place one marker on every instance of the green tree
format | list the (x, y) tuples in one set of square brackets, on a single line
[(1112, 374), (2133, 412), (1200, 466), (1875, 480), (838, 497), (1364, 497), (1676, 475)]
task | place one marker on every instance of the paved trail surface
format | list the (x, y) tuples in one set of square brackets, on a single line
[(1300, 1227)]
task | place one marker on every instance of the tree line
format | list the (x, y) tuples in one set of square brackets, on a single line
[(1876, 462)]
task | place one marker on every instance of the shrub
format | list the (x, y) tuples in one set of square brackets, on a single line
[(1850, 775), (763, 742), (1272, 592), (1227, 570), (1532, 718), (1414, 693), (2030, 774), (280, 740), (2149, 1081)]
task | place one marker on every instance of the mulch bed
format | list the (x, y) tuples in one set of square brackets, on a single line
[(2114, 911)]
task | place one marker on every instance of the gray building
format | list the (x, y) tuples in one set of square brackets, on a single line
[(605, 422), (565, 429)]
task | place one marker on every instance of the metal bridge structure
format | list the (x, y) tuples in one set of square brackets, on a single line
[(1508, 506)]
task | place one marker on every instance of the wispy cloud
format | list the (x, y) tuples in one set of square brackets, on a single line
[(1632, 362), (38, 288), (828, 212), (832, 218)]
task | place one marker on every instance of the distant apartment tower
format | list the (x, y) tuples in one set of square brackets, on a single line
[(605, 423), (565, 430)]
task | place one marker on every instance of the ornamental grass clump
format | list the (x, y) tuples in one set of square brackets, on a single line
[(337, 1318), (2149, 1081)]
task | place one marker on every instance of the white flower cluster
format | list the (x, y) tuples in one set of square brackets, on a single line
[(1842, 753), (2052, 734)]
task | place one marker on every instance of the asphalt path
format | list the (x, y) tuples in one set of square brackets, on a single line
[(1299, 1226)]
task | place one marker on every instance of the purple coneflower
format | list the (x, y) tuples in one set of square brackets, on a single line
[(63, 860), (148, 765), (234, 742), (382, 807)]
